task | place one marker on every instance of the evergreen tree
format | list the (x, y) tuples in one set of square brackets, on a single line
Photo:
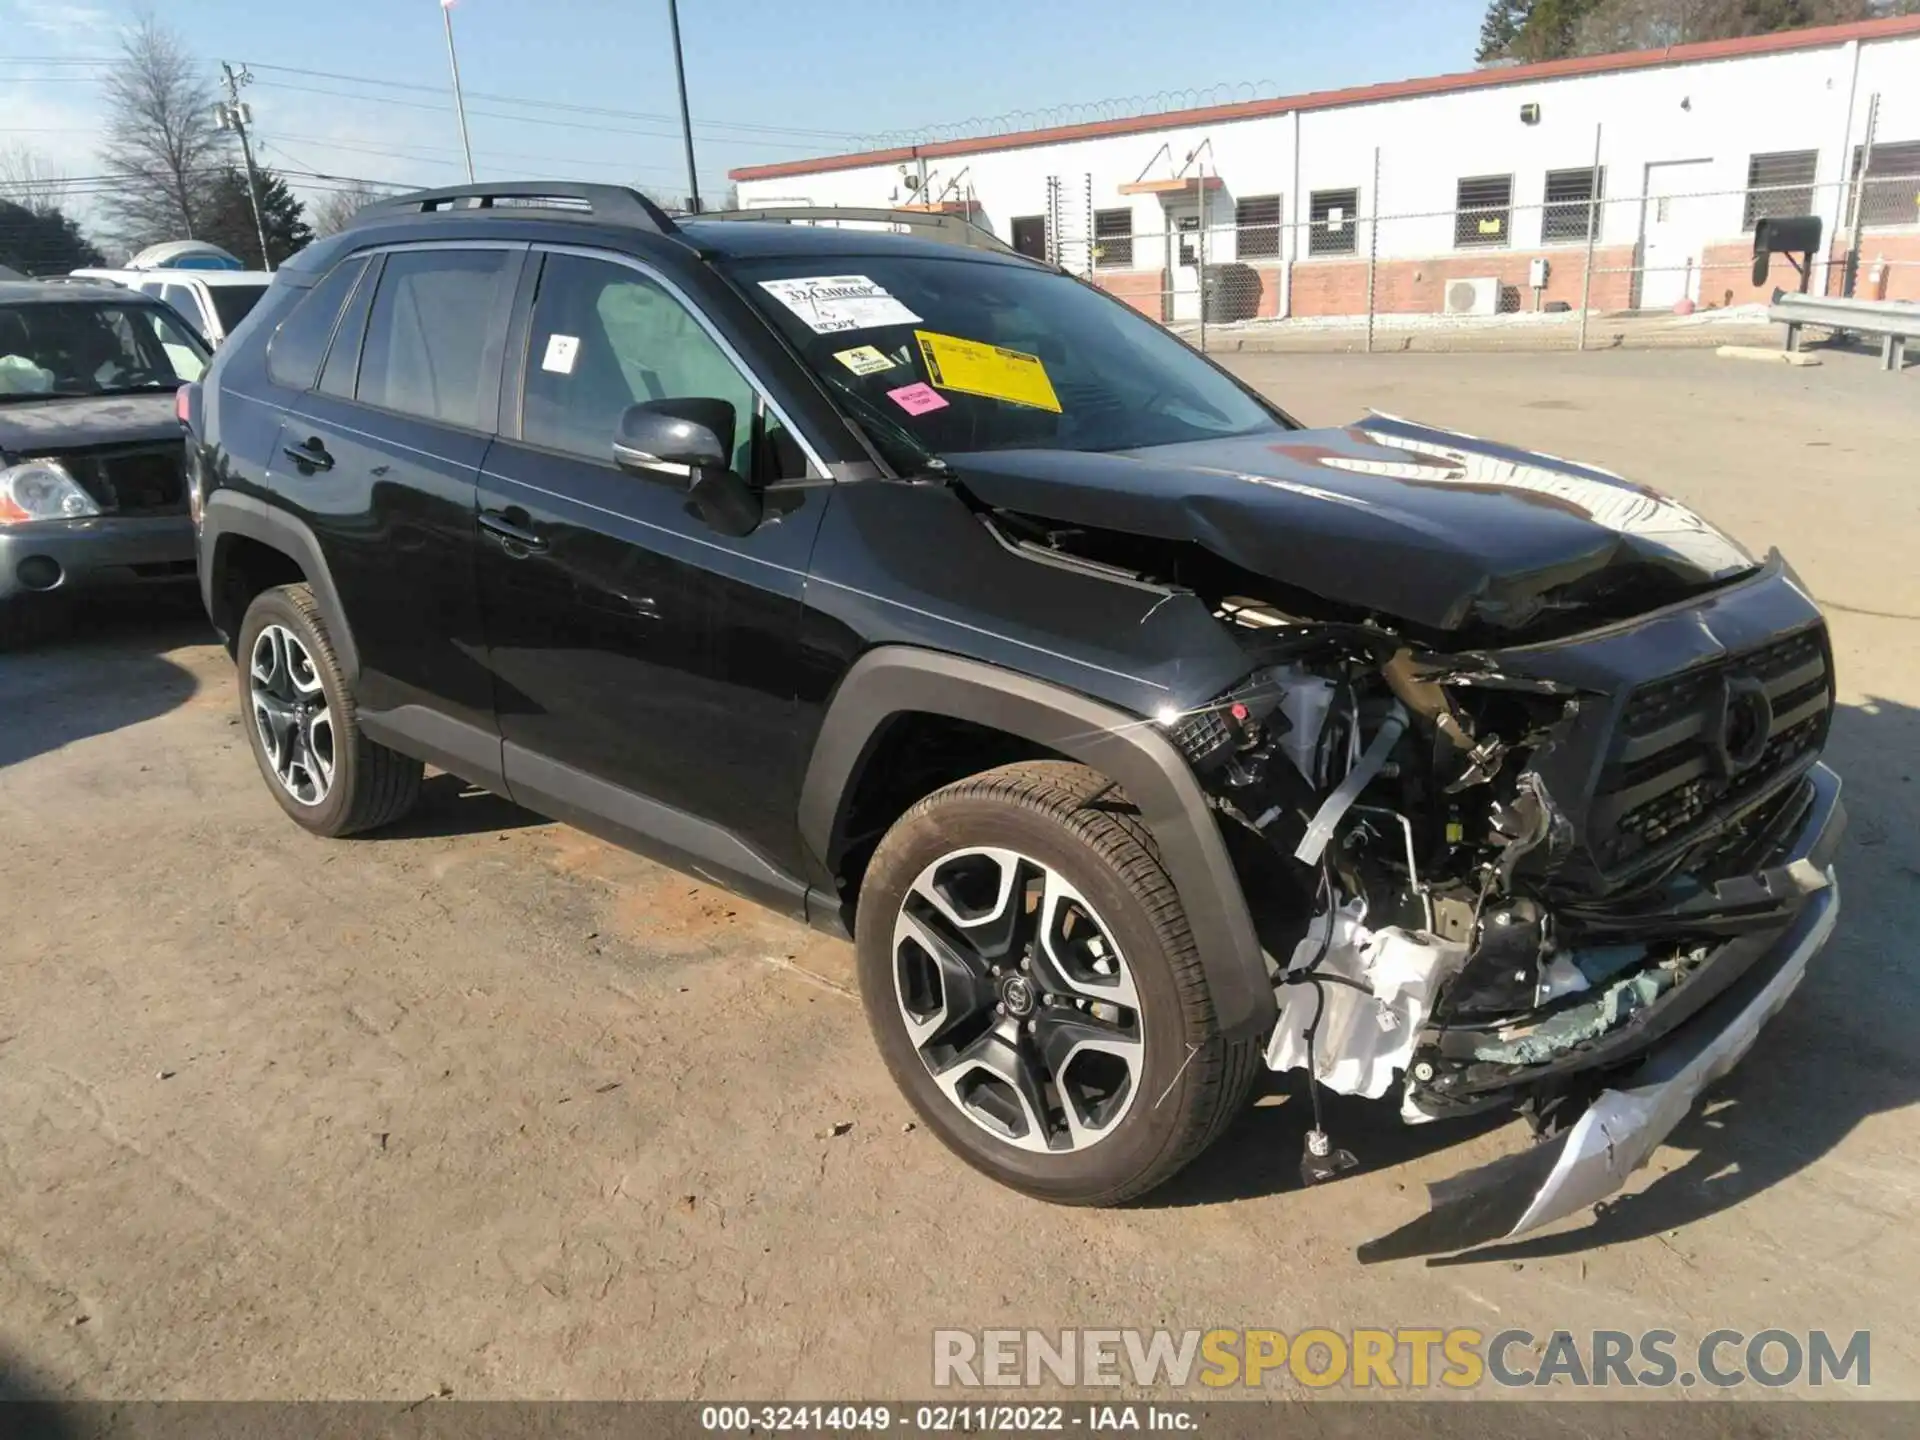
[(227, 217)]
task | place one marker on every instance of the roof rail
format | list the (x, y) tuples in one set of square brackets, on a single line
[(555, 199), (949, 229)]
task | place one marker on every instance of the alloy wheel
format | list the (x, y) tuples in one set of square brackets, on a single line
[(291, 713), (1017, 1000)]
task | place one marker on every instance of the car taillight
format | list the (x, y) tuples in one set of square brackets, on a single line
[(183, 399)]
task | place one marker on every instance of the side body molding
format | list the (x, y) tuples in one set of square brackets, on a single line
[(228, 512), (893, 680)]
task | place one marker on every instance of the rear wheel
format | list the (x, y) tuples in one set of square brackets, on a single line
[(300, 719), (1028, 973)]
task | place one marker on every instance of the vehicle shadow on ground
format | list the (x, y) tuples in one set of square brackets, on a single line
[(29, 1409), (450, 806), (104, 668), (1839, 1054)]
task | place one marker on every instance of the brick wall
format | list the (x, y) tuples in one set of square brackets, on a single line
[(1727, 276), (1418, 287), (1144, 290)]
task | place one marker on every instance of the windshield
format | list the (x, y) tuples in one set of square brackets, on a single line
[(942, 356), (89, 348), (232, 302)]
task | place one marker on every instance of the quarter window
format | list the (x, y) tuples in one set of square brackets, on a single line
[(300, 344), (427, 335), (605, 337)]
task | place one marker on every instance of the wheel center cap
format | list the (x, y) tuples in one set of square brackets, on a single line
[(1016, 993)]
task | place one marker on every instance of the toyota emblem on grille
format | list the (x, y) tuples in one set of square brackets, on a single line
[(1742, 723)]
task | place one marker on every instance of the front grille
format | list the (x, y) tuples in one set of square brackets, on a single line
[(1665, 781), (133, 480)]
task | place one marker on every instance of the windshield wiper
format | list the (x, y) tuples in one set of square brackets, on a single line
[(873, 417)]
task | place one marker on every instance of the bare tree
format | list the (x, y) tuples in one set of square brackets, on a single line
[(329, 214), (29, 180), (161, 136)]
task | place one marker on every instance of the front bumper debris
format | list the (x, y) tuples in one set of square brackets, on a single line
[(1622, 1127)]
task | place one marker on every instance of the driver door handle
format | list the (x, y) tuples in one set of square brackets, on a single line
[(512, 536), (309, 457)]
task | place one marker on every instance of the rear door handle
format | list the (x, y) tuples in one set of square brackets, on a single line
[(309, 457), (512, 536)]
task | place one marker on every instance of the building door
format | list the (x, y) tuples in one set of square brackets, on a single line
[(1183, 264), (1676, 223)]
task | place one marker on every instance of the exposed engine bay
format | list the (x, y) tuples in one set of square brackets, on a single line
[(1465, 938), (1511, 796)]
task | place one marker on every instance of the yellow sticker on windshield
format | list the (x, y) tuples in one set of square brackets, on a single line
[(976, 369), (864, 360)]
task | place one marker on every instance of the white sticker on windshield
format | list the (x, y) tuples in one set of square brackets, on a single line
[(831, 304), (561, 350)]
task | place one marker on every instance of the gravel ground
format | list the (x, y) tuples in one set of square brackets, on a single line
[(484, 1107)]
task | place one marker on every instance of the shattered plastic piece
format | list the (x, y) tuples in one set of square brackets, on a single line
[(1621, 1129), (1362, 1040), (1612, 1008)]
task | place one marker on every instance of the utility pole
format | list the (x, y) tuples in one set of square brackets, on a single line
[(232, 114), (459, 100), (686, 121)]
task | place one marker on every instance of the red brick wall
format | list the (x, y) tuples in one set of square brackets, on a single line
[(1418, 287), (1144, 290), (1727, 271)]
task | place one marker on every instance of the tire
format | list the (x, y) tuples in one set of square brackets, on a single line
[(944, 861), (366, 785)]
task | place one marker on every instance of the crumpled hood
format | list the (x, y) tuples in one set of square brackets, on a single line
[(1436, 528), (43, 427)]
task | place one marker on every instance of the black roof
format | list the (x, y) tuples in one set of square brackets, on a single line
[(616, 217)]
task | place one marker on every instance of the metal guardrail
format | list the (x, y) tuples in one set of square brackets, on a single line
[(1894, 321)]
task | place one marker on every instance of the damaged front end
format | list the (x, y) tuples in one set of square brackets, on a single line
[(1567, 879)]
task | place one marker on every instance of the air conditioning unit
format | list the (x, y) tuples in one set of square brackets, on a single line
[(1473, 297)]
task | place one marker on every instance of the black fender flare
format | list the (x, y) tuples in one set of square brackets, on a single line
[(229, 512), (896, 679)]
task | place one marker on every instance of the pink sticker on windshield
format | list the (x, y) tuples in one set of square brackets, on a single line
[(917, 399)]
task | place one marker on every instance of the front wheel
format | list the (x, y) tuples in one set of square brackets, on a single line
[(1029, 976), (300, 717)]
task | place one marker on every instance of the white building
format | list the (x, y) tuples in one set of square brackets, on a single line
[(1478, 175)]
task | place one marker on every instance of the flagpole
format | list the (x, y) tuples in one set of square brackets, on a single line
[(459, 101)]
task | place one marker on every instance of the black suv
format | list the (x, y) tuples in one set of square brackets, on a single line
[(1136, 734)]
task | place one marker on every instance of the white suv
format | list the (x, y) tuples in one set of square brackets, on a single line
[(212, 301)]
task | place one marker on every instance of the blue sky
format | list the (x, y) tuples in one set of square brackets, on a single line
[(768, 80)]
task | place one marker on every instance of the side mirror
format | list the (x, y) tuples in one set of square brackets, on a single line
[(674, 438), (691, 441)]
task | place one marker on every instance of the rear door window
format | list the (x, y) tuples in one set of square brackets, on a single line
[(300, 344), (430, 349)]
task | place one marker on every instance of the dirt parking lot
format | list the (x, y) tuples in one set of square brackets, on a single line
[(482, 1106)]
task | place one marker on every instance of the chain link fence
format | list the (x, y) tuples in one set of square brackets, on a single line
[(1242, 272)]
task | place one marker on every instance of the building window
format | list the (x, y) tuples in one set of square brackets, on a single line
[(1256, 223), (1112, 239), (1483, 210), (1891, 194), (1333, 222), (1571, 209), (1030, 235), (1779, 184)]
